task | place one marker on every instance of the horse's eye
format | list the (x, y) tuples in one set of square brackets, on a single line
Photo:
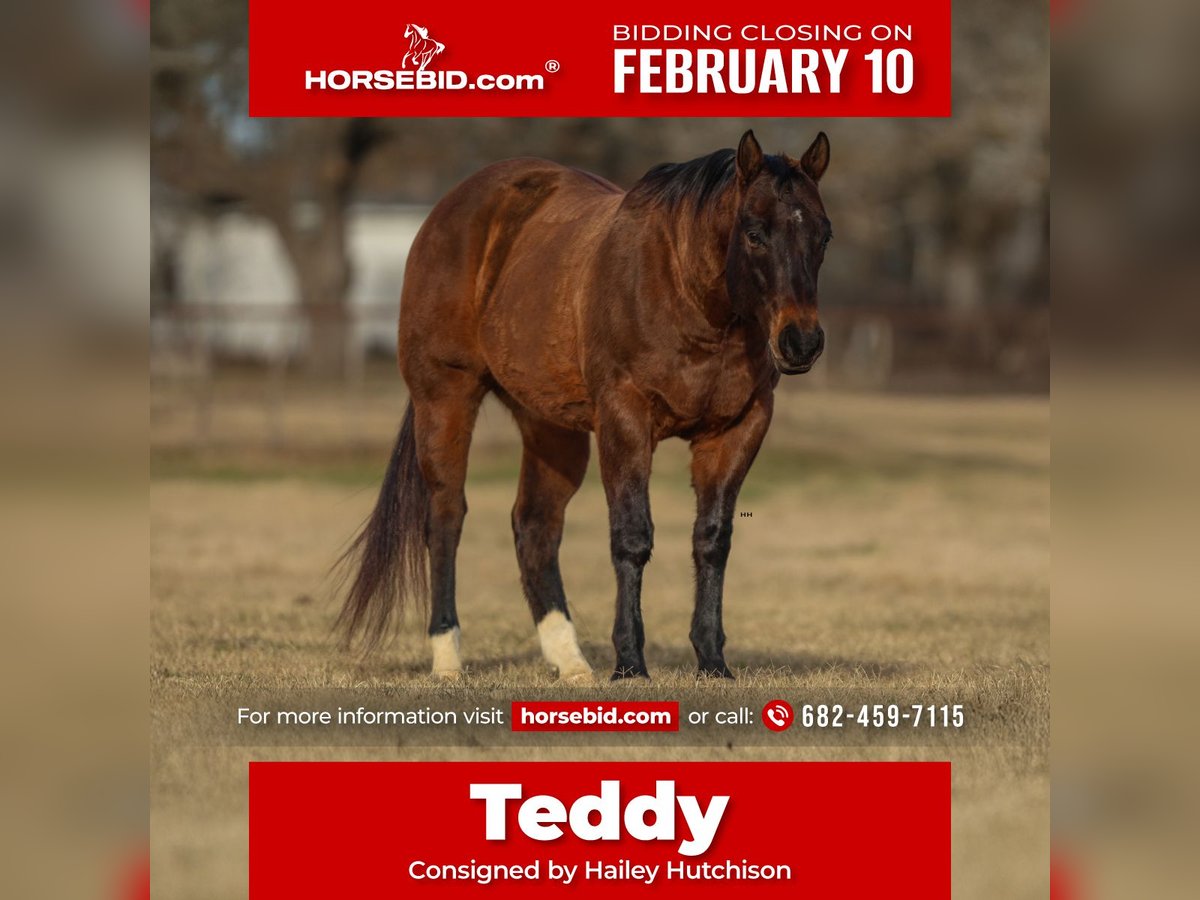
[(755, 238), (825, 241)]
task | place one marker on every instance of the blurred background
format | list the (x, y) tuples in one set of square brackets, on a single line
[(1126, 269), (74, 266)]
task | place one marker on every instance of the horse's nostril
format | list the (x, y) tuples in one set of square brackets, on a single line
[(800, 348), (791, 344)]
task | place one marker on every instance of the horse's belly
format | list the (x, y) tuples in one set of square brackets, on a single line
[(547, 393), (532, 353)]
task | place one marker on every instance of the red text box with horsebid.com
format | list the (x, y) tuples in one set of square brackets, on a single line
[(584, 715), (620, 58), (599, 830)]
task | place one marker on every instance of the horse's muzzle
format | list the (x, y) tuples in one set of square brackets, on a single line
[(794, 351)]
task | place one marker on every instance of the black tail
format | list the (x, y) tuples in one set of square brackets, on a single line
[(390, 550)]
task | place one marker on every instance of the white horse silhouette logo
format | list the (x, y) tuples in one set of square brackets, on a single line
[(421, 47)]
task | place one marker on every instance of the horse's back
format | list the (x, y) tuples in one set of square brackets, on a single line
[(494, 280), (472, 231)]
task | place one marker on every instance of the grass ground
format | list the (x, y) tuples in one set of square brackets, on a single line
[(897, 551)]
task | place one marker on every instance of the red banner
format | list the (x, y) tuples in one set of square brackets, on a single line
[(621, 58), (599, 830)]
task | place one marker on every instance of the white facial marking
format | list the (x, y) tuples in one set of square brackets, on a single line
[(798, 215), (446, 661), (560, 647)]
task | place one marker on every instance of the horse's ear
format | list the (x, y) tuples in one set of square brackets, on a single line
[(816, 158), (749, 157)]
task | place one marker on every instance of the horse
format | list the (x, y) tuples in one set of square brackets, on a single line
[(421, 48), (669, 310)]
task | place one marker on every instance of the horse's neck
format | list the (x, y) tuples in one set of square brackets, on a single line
[(700, 243)]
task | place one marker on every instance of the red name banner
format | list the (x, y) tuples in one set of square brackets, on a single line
[(621, 58), (599, 830)]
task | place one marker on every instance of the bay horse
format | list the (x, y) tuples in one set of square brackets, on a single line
[(670, 310)]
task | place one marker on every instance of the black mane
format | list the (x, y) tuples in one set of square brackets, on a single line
[(701, 180), (696, 181)]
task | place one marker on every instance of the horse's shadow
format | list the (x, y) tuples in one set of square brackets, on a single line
[(755, 663), (748, 666)]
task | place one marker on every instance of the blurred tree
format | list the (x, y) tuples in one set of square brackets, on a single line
[(298, 174)]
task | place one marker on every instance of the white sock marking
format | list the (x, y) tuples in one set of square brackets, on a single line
[(560, 647), (446, 661)]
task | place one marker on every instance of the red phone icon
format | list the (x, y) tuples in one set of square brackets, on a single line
[(778, 715)]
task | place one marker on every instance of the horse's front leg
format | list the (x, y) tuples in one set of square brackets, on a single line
[(625, 441), (719, 465)]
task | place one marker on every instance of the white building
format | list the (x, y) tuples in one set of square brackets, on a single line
[(235, 289)]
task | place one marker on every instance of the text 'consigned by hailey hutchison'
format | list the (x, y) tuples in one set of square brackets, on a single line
[(623, 870)]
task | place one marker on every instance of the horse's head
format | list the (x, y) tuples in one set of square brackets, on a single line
[(778, 242)]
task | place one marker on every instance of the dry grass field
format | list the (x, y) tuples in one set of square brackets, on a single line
[(897, 551)]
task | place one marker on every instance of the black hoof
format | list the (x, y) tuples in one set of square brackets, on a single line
[(622, 672), (718, 670)]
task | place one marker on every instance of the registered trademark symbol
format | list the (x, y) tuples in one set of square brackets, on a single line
[(552, 65)]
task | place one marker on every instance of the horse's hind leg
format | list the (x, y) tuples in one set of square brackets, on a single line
[(444, 407), (552, 469)]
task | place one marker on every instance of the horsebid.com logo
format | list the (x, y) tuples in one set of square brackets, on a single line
[(414, 74)]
